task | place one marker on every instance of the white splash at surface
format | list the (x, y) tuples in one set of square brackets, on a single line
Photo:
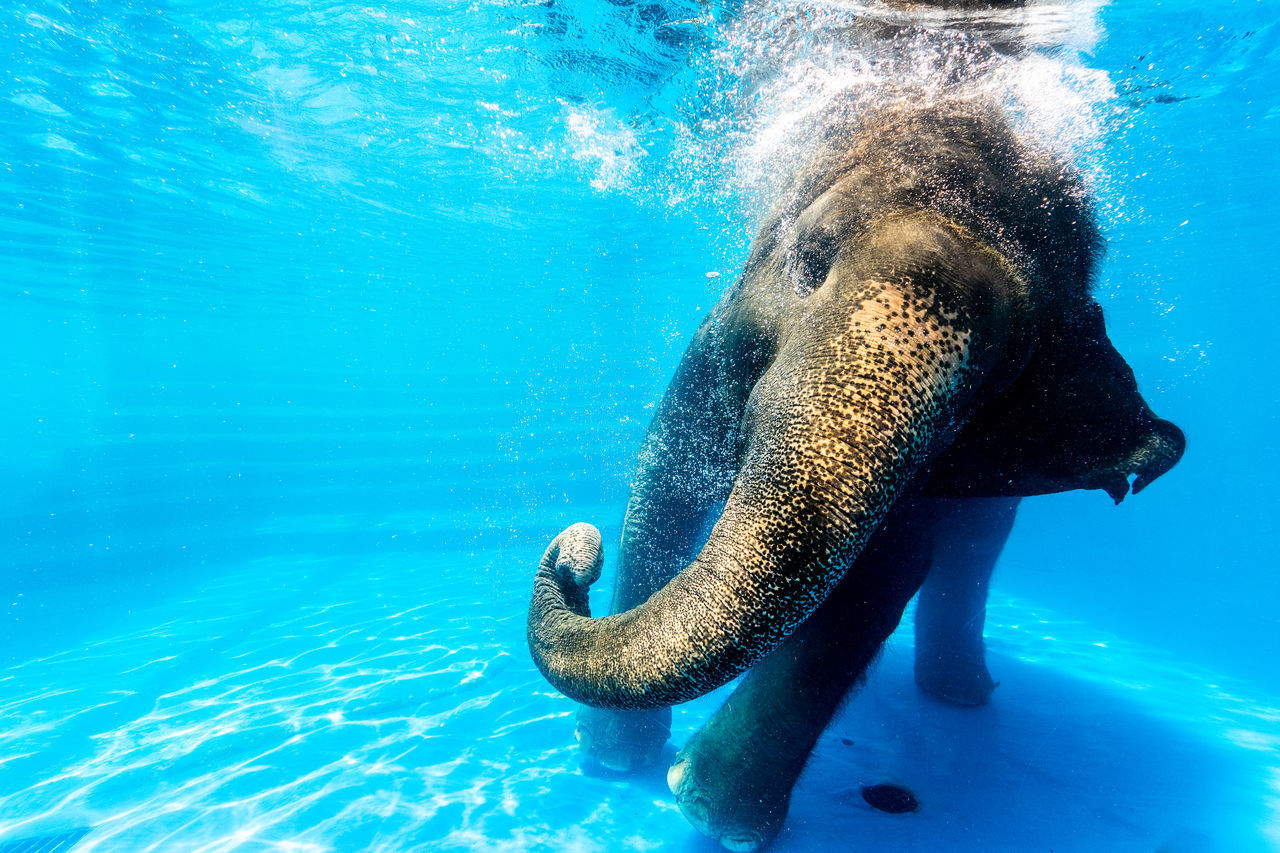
[(787, 67)]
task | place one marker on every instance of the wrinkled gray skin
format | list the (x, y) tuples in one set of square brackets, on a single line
[(912, 331)]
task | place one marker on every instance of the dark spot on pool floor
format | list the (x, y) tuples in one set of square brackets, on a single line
[(890, 798)]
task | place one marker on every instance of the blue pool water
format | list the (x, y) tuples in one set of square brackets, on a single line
[(321, 320)]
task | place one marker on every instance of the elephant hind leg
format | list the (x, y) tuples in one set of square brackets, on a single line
[(950, 661), (733, 780)]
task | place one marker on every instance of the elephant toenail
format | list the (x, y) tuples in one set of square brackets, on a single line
[(742, 842), (675, 774), (697, 810)]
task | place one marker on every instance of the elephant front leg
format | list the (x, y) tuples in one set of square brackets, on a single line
[(733, 780), (684, 469), (658, 535), (950, 662)]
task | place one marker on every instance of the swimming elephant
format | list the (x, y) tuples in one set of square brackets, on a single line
[(912, 331)]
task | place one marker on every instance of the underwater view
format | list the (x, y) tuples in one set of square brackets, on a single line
[(323, 321)]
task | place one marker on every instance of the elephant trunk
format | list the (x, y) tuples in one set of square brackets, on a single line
[(864, 391)]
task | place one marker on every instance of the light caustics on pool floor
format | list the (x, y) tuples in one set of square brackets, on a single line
[(306, 704)]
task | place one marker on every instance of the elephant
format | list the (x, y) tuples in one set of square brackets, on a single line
[(912, 346)]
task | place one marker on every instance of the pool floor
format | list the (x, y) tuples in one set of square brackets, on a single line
[(388, 704)]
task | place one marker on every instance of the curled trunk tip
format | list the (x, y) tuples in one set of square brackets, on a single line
[(576, 555)]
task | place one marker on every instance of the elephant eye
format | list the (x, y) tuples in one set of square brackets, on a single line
[(810, 258)]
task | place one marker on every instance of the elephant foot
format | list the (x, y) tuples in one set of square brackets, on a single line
[(954, 679), (731, 792), (623, 740)]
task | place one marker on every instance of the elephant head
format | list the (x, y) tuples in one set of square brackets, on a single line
[(922, 303)]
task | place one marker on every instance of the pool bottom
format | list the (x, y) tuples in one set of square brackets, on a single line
[(56, 843), (389, 704)]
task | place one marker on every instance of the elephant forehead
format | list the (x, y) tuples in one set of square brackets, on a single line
[(959, 159)]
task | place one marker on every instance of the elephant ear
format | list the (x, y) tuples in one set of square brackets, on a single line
[(1072, 419)]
